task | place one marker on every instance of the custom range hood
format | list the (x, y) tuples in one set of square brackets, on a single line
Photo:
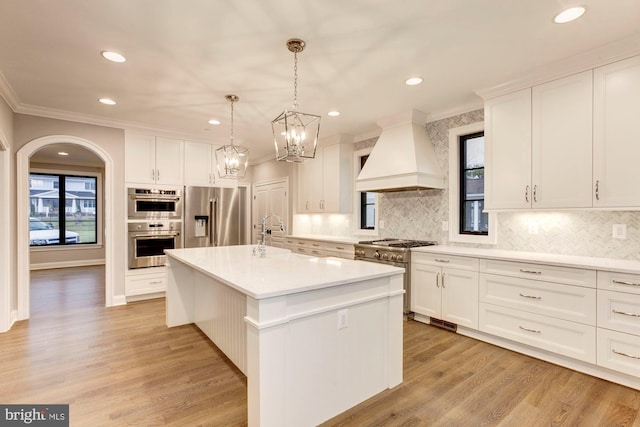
[(403, 158)]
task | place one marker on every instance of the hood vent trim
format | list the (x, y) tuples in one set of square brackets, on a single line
[(403, 158)]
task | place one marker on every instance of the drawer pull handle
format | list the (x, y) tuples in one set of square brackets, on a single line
[(156, 282), (626, 313), (622, 282), (530, 296), (625, 354), (443, 274), (442, 260), (530, 271), (315, 244), (530, 330), (339, 248), (437, 279)]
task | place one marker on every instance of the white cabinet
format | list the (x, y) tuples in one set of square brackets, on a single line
[(445, 287), (548, 307), (326, 182), (508, 151), (539, 146), (319, 247), (201, 167), (561, 143), (616, 151), (619, 322), (153, 160), (138, 283)]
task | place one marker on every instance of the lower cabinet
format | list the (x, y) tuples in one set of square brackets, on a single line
[(447, 293), (141, 284), (319, 248)]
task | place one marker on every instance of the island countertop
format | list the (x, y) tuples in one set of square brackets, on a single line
[(281, 272)]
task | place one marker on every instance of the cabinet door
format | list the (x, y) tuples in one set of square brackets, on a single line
[(140, 158), (169, 161), (460, 297), (198, 158), (425, 290), (315, 181), (616, 98), (562, 142), (508, 151), (304, 180), (331, 174)]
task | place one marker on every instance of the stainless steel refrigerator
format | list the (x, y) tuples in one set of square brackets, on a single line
[(215, 217)]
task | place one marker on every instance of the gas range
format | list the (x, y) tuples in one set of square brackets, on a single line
[(394, 250)]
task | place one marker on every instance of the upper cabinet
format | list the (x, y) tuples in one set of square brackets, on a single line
[(200, 166), (153, 160), (615, 147), (325, 183), (539, 146)]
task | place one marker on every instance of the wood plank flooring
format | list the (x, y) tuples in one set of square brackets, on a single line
[(122, 366)]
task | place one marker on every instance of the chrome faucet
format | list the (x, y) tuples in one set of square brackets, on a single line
[(262, 246)]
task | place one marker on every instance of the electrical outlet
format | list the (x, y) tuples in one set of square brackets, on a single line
[(533, 228), (343, 318), (445, 226), (619, 231), (380, 224)]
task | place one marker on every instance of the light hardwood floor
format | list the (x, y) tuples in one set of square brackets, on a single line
[(122, 366)]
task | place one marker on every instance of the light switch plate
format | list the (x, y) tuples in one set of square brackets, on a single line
[(619, 231)]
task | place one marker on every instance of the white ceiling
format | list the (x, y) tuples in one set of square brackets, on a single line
[(183, 57)]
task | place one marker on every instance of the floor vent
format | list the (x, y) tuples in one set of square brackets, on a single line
[(443, 324)]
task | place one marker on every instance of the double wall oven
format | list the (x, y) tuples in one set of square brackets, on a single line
[(155, 225), (395, 252)]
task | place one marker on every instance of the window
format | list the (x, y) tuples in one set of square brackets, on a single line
[(467, 221), (367, 205), (472, 218), (61, 205)]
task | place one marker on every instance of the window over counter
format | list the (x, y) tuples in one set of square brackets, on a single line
[(63, 209), (468, 223), (366, 202)]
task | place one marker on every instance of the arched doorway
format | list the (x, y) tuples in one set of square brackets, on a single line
[(23, 157)]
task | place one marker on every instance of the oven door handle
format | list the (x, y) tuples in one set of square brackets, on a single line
[(155, 235), (156, 197)]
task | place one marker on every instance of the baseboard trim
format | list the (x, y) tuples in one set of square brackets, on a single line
[(118, 300), (66, 264)]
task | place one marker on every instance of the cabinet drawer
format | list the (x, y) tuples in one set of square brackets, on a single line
[(449, 261), (619, 351), (619, 282), (566, 338), (144, 284), (548, 273), (619, 311), (565, 302)]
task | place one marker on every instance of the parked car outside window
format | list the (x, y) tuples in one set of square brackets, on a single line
[(42, 233)]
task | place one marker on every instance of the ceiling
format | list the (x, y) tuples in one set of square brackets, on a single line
[(183, 57)]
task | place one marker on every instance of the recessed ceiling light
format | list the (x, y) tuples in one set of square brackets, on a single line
[(113, 56), (413, 81), (334, 113), (214, 122), (107, 101), (569, 15), (62, 153)]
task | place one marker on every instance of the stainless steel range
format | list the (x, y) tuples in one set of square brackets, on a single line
[(396, 252)]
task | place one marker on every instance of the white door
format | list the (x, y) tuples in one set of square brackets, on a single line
[(271, 197), (460, 297), (197, 157), (140, 158), (169, 161), (425, 290)]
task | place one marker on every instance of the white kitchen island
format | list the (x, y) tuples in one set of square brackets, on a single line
[(314, 336)]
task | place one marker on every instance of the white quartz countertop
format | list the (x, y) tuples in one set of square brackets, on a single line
[(332, 239), (590, 263), (281, 272)]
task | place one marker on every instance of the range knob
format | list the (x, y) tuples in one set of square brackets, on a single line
[(376, 255), (360, 252), (394, 257), (399, 258), (385, 256)]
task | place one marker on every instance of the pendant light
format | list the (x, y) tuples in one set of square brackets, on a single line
[(295, 134), (231, 159)]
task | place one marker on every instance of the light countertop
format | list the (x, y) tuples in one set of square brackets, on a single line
[(281, 272), (590, 263), (332, 239)]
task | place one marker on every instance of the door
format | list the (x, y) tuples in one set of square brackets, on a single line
[(460, 297), (270, 197), (425, 290)]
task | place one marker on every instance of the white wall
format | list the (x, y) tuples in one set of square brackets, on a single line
[(8, 301)]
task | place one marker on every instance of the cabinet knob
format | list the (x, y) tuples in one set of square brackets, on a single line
[(526, 194), (597, 189)]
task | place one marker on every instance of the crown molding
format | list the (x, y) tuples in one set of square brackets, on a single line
[(456, 111), (7, 93), (603, 55)]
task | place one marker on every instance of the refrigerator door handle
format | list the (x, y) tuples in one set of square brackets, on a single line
[(213, 235)]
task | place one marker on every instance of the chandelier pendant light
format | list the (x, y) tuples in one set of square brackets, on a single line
[(295, 134), (232, 159)]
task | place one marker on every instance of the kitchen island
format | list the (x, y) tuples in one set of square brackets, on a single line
[(314, 336)]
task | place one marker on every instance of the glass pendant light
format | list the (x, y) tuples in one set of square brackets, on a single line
[(231, 159), (295, 134)]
